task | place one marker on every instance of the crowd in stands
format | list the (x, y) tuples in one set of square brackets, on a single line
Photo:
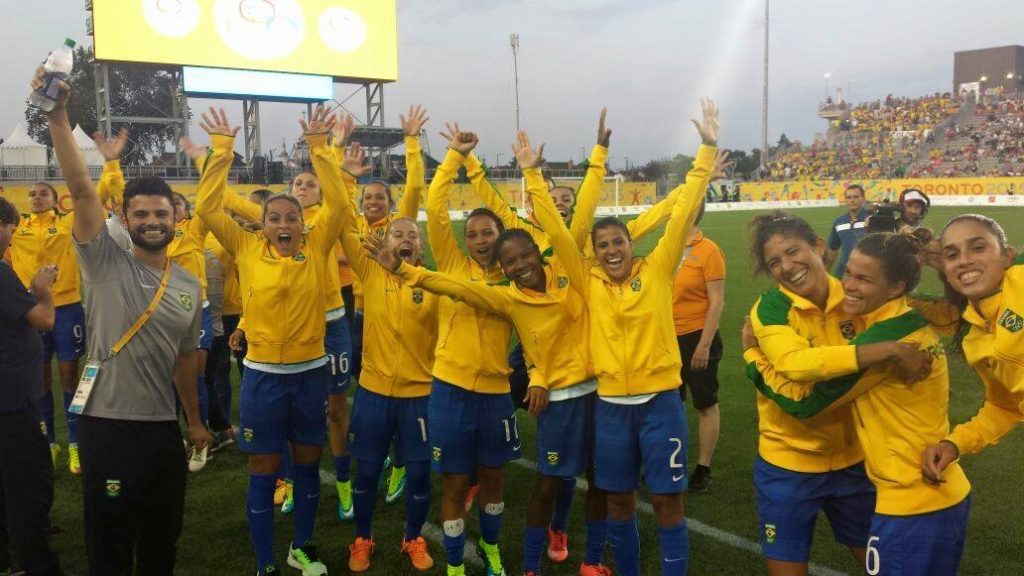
[(990, 143)]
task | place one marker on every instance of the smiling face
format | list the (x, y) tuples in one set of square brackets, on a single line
[(614, 252), (797, 265), (866, 285), (521, 261), (481, 233), (283, 225), (41, 198), (973, 260), (404, 235), (306, 189), (375, 202), (150, 221)]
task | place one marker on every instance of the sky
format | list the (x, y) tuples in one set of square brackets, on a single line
[(647, 61)]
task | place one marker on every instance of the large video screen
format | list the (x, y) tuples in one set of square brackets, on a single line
[(340, 38)]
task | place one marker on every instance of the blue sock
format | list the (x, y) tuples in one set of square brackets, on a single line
[(397, 456), (597, 535), (563, 504), (454, 541), (533, 545), (343, 467), (417, 498), (204, 399), (72, 419), (260, 504), (364, 496), (46, 408), (675, 548), (285, 472), (307, 496), (490, 521), (625, 541)]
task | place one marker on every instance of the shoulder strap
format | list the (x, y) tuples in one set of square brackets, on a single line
[(123, 341)]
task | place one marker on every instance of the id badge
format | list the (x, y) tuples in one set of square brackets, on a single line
[(92, 369)]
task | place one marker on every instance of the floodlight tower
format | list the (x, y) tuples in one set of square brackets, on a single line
[(764, 99), (514, 41)]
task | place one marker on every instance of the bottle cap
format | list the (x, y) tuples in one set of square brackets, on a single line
[(69, 42)]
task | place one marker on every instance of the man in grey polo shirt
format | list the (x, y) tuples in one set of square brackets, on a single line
[(130, 444)]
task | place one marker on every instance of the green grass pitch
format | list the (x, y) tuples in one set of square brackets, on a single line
[(215, 540)]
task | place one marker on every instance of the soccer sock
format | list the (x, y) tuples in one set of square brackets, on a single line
[(364, 496), (204, 399), (533, 545), (72, 419), (398, 458), (46, 408), (625, 541), (675, 548), (454, 541), (260, 504), (417, 498), (285, 472), (563, 504), (343, 468), (490, 521), (597, 535), (307, 496)]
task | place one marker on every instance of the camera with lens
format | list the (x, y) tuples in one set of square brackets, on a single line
[(885, 218)]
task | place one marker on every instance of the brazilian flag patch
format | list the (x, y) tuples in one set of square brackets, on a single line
[(436, 453), (1011, 321), (635, 285), (553, 458), (113, 488)]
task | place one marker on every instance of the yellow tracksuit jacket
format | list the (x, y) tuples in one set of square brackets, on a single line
[(806, 344), (895, 420), (282, 298), (994, 347), (232, 293), (632, 335), (472, 342)]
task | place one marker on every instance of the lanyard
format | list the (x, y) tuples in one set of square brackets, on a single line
[(120, 344)]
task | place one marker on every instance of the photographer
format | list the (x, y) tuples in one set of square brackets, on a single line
[(914, 206)]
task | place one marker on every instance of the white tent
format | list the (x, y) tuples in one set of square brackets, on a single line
[(21, 150), (88, 147)]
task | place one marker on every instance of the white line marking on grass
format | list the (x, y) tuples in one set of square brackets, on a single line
[(699, 527), (430, 532)]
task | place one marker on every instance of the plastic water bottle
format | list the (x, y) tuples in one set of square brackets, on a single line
[(58, 67)]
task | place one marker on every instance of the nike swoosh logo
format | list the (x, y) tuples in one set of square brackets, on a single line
[(677, 478), (418, 498), (517, 446), (264, 511)]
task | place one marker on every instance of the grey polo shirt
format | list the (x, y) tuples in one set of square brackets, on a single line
[(137, 384)]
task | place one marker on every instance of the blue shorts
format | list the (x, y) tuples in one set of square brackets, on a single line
[(378, 419), (920, 545), (565, 437), (788, 503), (206, 330), (651, 436), (468, 429), (67, 339), (282, 407), (338, 345)]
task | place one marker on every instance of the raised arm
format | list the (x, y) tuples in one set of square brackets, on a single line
[(443, 245), (232, 201), (590, 190), (90, 216), (669, 251), (477, 294), (333, 189), (415, 172), (493, 201), (353, 166), (111, 183), (568, 252), (213, 183)]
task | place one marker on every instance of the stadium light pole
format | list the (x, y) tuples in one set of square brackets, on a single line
[(514, 41), (764, 99)]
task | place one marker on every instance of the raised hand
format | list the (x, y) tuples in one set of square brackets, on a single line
[(321, 122), (376, 249), (343, 129), (604, 135), (191, 149), (355, 160), (216, 122), (708, 127), (526, 156), (111, 149), (461, 142), (721, 166), (39, 82), (413, 124)]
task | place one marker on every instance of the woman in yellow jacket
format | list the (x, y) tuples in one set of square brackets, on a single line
[(918, 529), (44, 239), (400, 333), (285, 386), (804, 332), (639, 417), (982, 274)]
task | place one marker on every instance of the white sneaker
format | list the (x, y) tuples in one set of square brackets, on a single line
[(198, 460)]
